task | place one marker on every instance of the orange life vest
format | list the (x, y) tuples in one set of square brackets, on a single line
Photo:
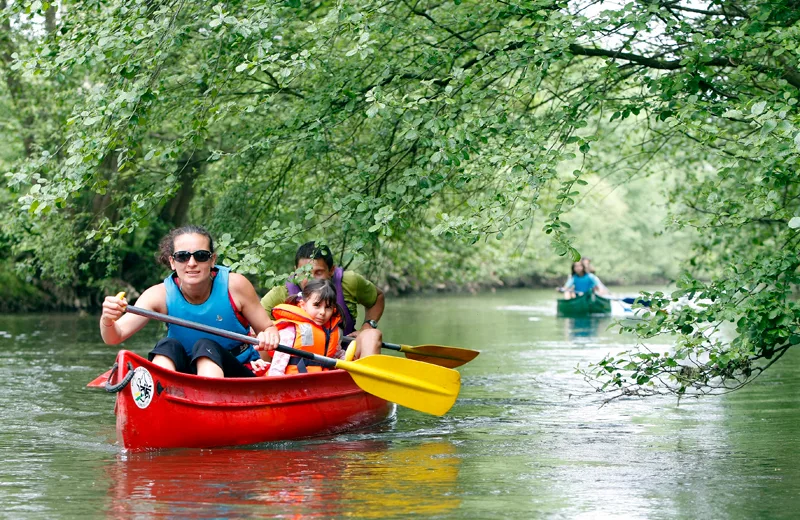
[(321, 340)]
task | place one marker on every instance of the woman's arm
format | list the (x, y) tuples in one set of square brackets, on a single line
[(599, 286), (116, 325), (246, 299)]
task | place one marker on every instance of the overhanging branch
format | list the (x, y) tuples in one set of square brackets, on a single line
[(791, 76)]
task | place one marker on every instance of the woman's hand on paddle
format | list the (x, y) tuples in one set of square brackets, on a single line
[(113, 309), (268, 339)]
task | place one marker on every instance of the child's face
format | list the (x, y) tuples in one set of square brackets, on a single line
[(579, 270), (319, 311)]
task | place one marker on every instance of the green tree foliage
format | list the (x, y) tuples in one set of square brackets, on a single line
[(433, 137)]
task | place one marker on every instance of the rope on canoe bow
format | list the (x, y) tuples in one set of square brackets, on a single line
[(122, 384)]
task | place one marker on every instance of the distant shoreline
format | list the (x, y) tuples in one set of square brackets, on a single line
[(18, 296)]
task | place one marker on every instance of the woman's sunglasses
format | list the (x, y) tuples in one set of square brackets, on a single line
[(201, 255)]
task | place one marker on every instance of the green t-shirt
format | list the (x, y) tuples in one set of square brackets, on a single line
[(357, 290)]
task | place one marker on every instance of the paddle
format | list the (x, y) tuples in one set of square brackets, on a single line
[(99, 381), (420, 386), (630, 300), (441, 355)]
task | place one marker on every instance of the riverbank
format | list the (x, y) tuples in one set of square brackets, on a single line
[(20, 296)]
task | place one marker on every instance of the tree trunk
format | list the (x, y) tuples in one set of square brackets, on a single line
[(189, 168), (50, 19)]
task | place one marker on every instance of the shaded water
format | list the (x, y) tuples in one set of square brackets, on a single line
[(527, 437)]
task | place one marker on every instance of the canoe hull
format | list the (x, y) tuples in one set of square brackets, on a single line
[(160, 409), (587, 304)]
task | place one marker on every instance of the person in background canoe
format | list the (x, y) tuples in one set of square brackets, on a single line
[(310, 320), (579, 282), (352, 289), (200, 291), (587, 265)]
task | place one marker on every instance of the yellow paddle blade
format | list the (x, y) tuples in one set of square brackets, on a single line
[(420, 386), (450, 357)]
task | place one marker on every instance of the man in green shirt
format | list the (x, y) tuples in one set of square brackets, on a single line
[(352, 289)]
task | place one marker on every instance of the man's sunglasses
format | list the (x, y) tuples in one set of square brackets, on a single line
[(201, 255)]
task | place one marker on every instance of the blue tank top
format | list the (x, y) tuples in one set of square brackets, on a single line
[(583, 284), (216, 311)]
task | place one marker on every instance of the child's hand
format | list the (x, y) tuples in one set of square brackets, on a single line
[(259, 366)]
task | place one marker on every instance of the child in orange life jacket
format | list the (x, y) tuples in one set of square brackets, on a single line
[(310, 321)]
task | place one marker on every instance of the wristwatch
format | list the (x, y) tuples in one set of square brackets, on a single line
[(372, 323)]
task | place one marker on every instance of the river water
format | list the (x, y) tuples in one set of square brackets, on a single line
[(527, 438)]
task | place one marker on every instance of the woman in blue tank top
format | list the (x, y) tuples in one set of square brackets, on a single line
[(599, 286), (200, 291), (580, 282)]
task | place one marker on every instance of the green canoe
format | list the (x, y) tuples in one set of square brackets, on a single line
[(584, 305)]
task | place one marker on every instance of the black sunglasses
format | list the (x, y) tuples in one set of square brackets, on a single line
[(201, 255)]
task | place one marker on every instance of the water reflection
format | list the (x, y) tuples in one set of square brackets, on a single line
[(585, 327), (363, 479)]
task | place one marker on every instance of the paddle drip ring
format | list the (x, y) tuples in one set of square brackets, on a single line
[(122, 384)]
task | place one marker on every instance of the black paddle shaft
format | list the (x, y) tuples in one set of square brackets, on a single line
[(322, 360), (391, 346)]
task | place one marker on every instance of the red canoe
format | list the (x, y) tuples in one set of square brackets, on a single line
[(158, 408)]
